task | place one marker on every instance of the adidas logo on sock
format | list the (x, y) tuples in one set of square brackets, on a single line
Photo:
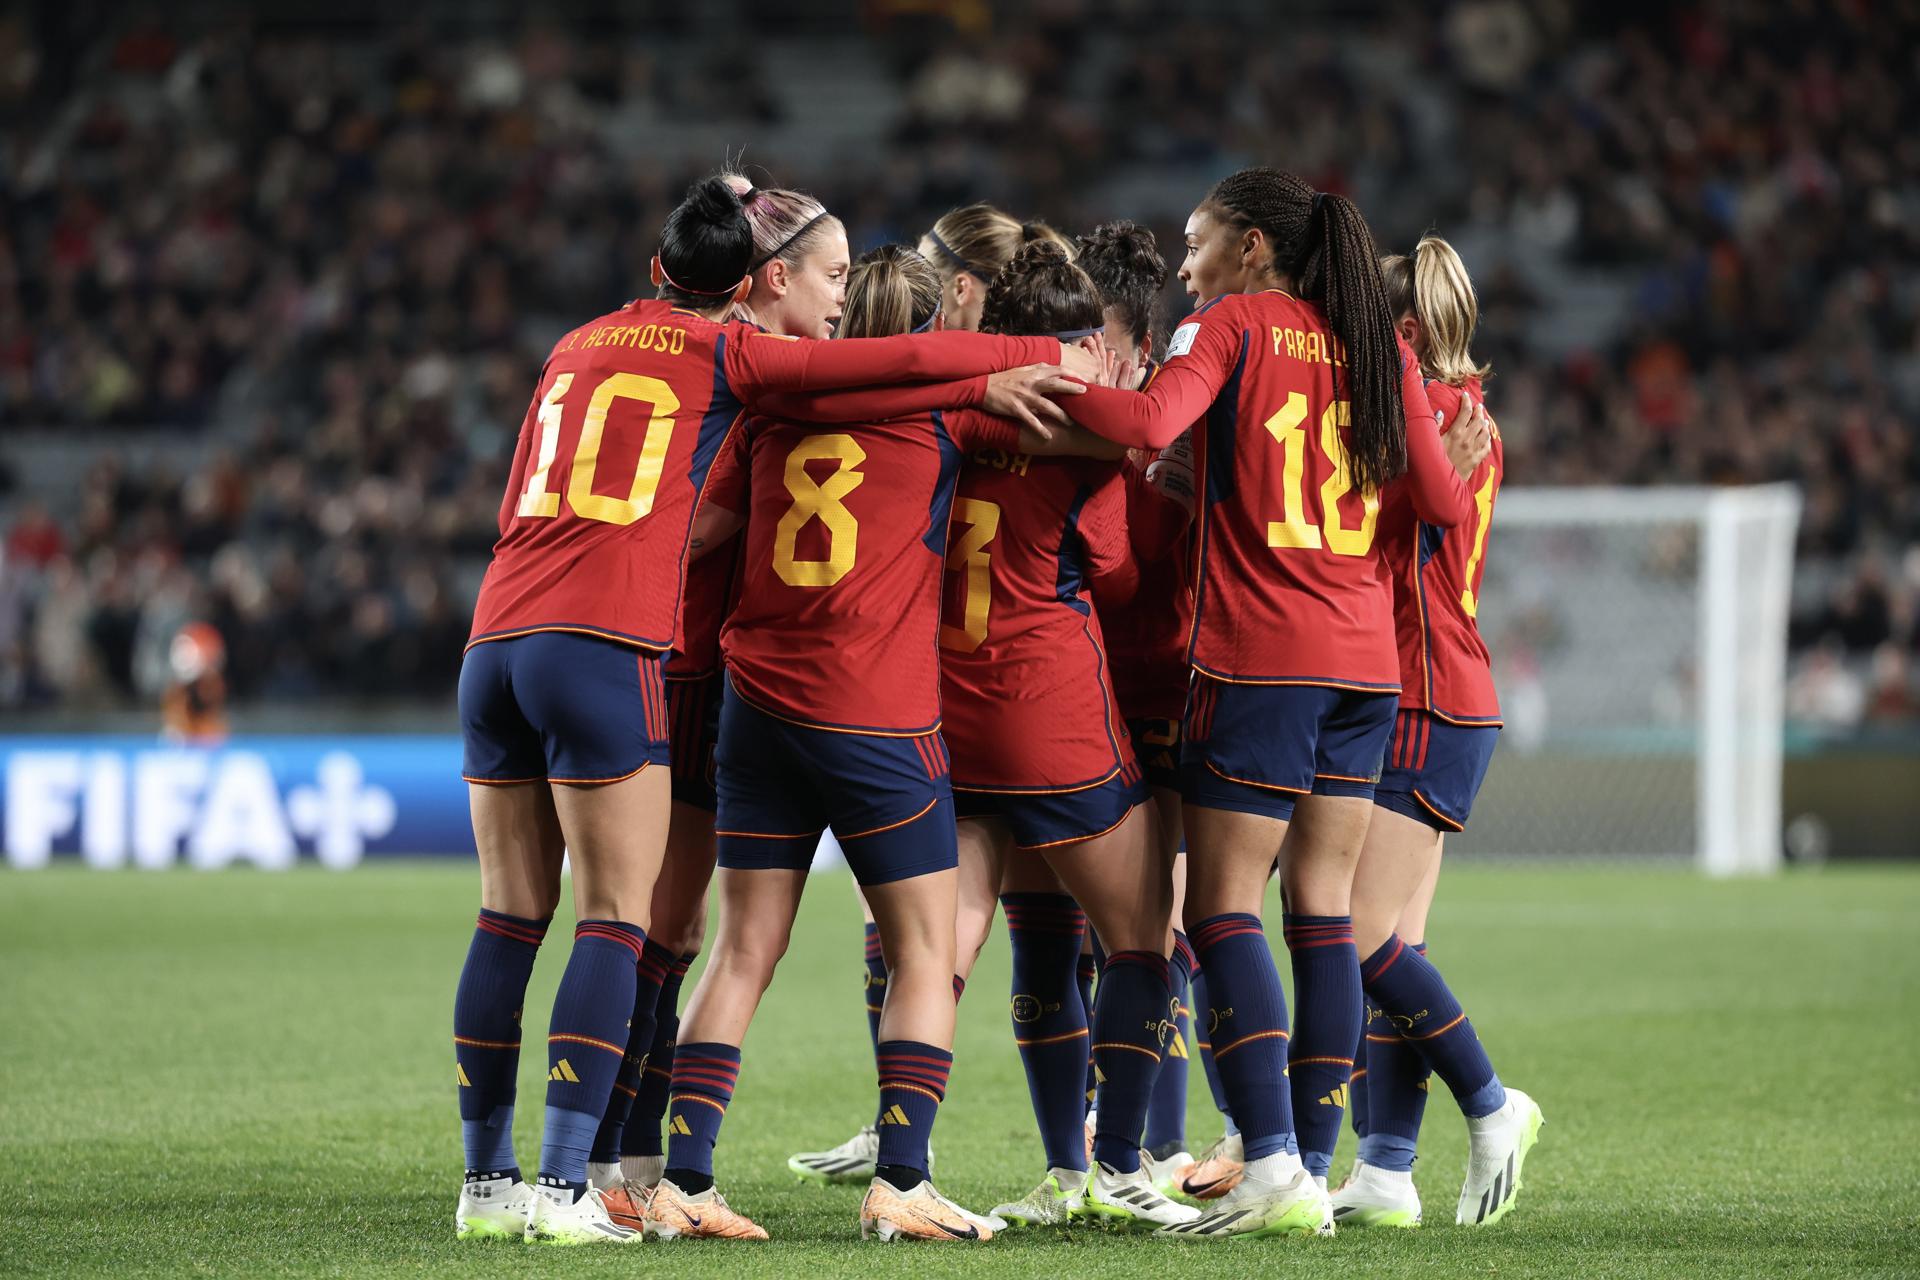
[(1338, 1098), (563, 1070), (679, 1125), (894, 1115)]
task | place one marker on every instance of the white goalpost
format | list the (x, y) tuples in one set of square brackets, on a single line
[(1639, 641)]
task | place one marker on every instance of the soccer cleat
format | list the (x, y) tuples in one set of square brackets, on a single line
[(920, 1214), (672, 1214), (1292, 1204), (558, 1218), (625, 1203), (852, 1161), (1129, 1202), (1376, 1198), (1054, 1203), (1165, 1174), (493, 1208), (1217, 1171), (1497, 1147)]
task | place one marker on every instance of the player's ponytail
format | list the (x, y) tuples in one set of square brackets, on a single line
[(979, 240), (1323, 244), (1124, 263), (890, 290), (1042, 292), (1432, 284), (705, 247)]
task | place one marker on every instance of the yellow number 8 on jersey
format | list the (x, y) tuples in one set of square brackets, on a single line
[(823, 499)]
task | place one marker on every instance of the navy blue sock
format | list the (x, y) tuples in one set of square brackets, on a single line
[(1129, 1028), (642, 1134), (1328, 1020), (913, 1083), (876, 984), (586, 1042), (1249, 1029), (1086, 969), (486, 1034), (1411, 992), (655, 961), (1049, 1022), (1203, 1040), (1396, 1100), (1167, 1109), (703, 1079), (1357, 1083)]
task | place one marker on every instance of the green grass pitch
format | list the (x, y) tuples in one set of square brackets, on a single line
[(242, 1074)]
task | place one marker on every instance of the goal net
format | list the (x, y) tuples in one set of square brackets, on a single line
[(1639, 644)]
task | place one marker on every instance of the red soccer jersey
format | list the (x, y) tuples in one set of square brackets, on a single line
[(1147, 636), (1444, 665), (839, 607), (713, 583), (1291, 586), (1027, 695), (630, 411)]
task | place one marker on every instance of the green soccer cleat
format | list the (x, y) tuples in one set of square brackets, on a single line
[(1376, 1198), (1058, 1200), (1291, 1203)]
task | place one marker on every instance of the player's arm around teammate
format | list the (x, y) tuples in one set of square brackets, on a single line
[(1444, 735), (1289, 718)]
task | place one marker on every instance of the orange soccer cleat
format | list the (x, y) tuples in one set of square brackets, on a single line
[(1217, 1171), (626, 1204), (672, 1214), (919, 1214)]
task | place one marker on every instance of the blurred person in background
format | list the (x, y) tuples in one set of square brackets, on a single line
[(193, 707)]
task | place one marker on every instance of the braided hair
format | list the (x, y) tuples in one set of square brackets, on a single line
[(1124, 263), (1039, 292), (1324, 244)]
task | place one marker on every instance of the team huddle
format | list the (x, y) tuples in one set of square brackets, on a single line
[(1040, 615)]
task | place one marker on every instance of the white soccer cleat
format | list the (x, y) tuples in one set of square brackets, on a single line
[(1057, 1201), (557, 1218), (852, 1161), (1165, 1174), (1373, 1197), (1276, 1197), (494, 1208), (1497, 1147), (1130, 1202)]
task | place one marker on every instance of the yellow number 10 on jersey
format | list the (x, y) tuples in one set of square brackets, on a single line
[(1288, 427), (537, 501)]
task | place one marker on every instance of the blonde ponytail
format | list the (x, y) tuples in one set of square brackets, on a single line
[(1433, 284), (890, 290)]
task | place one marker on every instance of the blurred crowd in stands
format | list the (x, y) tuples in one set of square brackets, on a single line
[(335, 257)]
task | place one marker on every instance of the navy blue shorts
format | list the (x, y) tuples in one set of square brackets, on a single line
[(556, 706), (1039, 819), (693, 714), (1434, 769), (1156, 745), (1256, 748), (888, 800)]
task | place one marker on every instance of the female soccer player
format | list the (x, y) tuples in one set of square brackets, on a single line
[(798, 290), (1041, 762), (1442, 741), (561, 702), (967, 247), (1305, 402), (831, 719)]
